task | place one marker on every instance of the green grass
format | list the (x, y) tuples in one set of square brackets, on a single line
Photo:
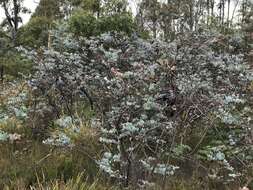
[(27, 161)]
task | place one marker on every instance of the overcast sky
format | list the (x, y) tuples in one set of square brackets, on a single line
[(31, 4)]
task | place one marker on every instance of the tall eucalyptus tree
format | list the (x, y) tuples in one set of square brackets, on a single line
[(12, 10)]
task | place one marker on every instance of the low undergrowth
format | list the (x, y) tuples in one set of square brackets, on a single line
[(28, 163)]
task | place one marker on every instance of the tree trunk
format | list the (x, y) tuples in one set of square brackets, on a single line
[(7, 14), (220, 11), (154, 20), (154, 29), (223, 12), (208, 11), (228, 24), (49, 39), (233, 13), (191, 15), (15, 20), (212, 8), (244, 7), (1, 73)]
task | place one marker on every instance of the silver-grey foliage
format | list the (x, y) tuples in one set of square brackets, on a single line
[(148, 95)]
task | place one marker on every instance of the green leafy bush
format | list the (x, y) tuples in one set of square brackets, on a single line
[(14, 65), (83, 24), (86, 24), (35, 33)]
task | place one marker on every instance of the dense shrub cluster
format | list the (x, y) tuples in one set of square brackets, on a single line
[(149, 97), (86, 24)]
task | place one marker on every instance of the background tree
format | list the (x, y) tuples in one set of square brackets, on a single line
[(149, 15), (248, 26), (4, 40), (94, 18), (37, 32), (93, 6), (112, 7), (12, 11), (11, 62)]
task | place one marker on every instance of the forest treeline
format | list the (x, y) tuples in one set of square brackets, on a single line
[(163, 20)]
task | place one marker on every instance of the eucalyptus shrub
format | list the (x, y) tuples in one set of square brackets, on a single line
[(148, 97)]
